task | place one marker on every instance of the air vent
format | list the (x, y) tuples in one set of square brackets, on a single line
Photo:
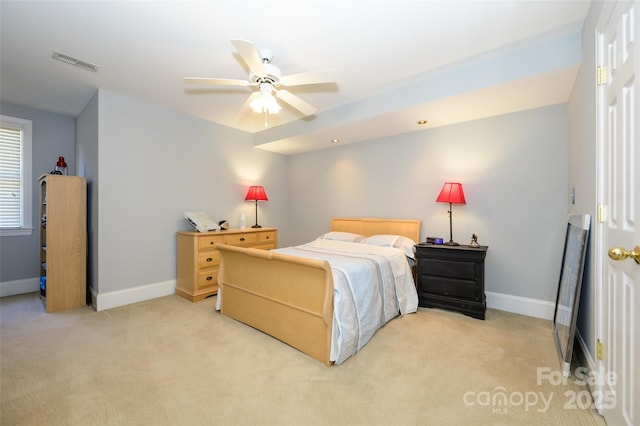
[(75, 61)]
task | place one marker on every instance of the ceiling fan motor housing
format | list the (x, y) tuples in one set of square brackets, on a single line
[(272, 75)]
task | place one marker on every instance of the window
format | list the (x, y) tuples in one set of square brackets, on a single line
[(15, 176)]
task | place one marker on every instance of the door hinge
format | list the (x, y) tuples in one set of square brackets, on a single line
[(602, 75), (600, 351), (602, 213)]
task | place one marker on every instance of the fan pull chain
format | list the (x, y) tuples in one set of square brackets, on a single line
[(266, 116)]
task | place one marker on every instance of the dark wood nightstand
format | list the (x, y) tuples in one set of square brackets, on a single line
[(452, 277)]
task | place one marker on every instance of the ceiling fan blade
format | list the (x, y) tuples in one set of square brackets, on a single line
[(250, 55), (296, 102), (313, 77), (216, 81)]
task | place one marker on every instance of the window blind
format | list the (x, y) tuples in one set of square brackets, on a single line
[(11, 189)]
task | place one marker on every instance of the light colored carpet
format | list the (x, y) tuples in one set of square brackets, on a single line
[(171, 362)]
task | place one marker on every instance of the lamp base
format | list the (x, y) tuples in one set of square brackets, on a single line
[(256, 226), (451, 243)]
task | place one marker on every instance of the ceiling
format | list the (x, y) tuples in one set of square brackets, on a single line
[(378, 50)]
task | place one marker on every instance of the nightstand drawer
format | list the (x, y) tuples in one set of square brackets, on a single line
[(450, 287), (448, 268), (208, 259)]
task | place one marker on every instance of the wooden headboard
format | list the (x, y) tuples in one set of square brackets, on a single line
[(409, 228)]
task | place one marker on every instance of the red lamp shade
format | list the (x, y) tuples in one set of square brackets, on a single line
[(451, 193), (256, 193)]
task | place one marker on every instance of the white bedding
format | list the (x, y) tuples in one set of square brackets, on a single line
[(372, 285)]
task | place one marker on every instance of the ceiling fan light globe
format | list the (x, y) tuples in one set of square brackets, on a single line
[(265, 103), (256, 105), (271, 105), (266, 89)]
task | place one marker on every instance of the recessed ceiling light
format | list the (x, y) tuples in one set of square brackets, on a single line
[(75, 61), (335, 140), (421, 122)]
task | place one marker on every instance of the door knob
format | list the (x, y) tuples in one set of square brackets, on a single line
[(618, 253)]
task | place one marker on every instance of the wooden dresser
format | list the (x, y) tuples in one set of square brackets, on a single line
[(198, 259)]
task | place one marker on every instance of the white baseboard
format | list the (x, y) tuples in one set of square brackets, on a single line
[(101, 301), (521, 305), (27, 285), (115, 299)]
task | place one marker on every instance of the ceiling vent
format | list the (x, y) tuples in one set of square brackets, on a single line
[(75, 61)]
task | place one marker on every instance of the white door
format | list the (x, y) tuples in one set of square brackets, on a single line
[(617, 392)]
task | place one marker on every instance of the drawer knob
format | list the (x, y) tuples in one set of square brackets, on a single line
[(209, 259), (212, 243), (267, 237), (241, 238), (209, 278)]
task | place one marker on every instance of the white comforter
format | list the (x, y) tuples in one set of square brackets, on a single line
[(372, 285)]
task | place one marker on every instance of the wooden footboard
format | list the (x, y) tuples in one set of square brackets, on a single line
[(287, 297), (290, 297)]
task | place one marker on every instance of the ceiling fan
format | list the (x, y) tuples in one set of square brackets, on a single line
[(269, 81)]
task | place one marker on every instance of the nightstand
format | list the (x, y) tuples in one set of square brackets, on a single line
[(452, 277)]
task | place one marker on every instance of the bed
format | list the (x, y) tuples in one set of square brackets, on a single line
[(289, 293)]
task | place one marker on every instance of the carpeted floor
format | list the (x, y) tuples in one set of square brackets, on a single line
[(171, 362)]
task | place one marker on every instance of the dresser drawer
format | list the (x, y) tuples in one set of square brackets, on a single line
[(208, 278), (240, 239), (266, 236), (208, 259), (210, 241), (265, 245)]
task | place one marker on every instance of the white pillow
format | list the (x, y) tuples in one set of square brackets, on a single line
[(398, 241), (341, 236)]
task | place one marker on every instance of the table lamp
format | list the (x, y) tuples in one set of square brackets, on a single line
[(451, 193), (256, 193)]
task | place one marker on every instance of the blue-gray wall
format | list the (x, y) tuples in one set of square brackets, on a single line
[(146, 166), (513, 169), (53, 136)]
